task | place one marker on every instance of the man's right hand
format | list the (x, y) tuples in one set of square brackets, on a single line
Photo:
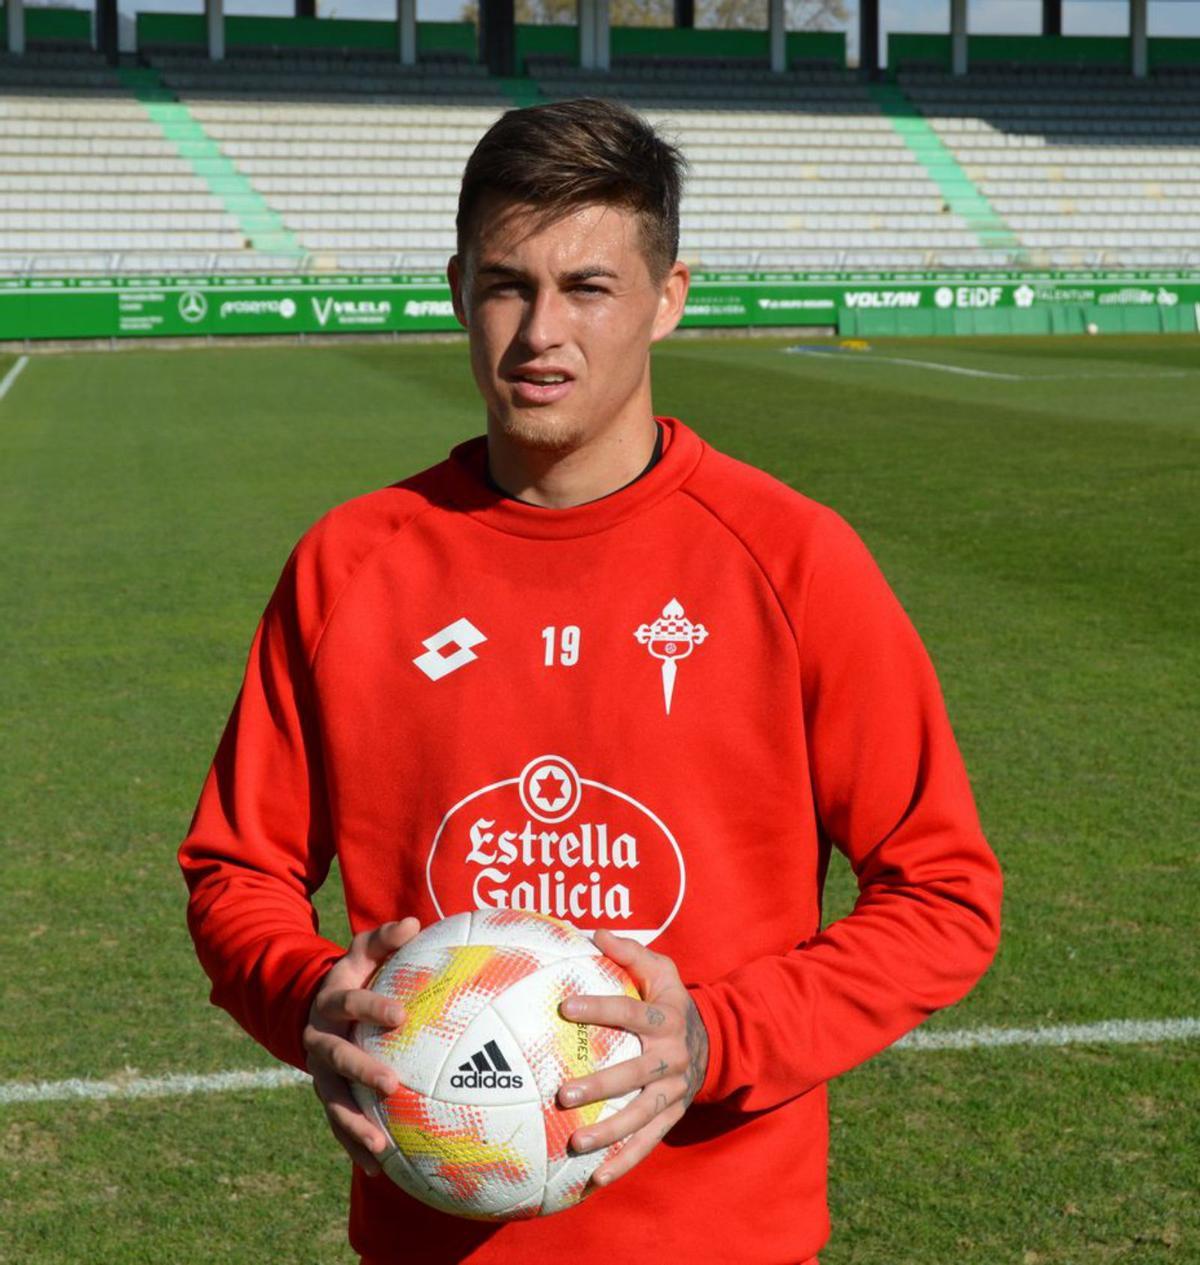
[(333, 1059)]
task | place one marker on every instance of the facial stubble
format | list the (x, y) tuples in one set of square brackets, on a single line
[(541, 431)]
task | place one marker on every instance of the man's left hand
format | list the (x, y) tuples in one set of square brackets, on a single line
[(669, 1071)]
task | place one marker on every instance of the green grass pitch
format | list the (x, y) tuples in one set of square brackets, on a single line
[(1036, 506)]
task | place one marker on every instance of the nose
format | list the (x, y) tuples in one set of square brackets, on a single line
[(544, 324)]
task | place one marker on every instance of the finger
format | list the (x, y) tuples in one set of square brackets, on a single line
[(644, 1018), (360, 1005), (382, 941), (655, 975), (620, 948), (654, 1101), (356, 1131), (358, 1154), (625, 951), (348, 1122), (328, 1051), (619, 1079), (362, 1153), (636, 1148)]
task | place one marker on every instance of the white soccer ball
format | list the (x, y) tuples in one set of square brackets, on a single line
[(475, 1127), (1093, 328)]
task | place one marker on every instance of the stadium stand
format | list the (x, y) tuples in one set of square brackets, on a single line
[(1089, 167), (89, 179), (793, 170), (361, 157), (350, 161)]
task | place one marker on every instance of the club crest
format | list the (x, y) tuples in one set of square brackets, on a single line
[(670, 638)]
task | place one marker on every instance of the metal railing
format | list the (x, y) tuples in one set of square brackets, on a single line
[(749, 258)]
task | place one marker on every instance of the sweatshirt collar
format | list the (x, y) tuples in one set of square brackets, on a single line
[(471, 491)]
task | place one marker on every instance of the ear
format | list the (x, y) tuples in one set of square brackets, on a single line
[(671, 300), (457, 280)]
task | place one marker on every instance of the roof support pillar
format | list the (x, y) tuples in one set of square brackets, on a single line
[(107, 30), (214, 14), (14, 15), (868, 38), (497, 36), (406, 31), (777, 27), (595, 39), (958, 36), (1137, 38), (586, 18), (603, 36)]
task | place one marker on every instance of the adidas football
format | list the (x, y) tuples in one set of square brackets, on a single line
[(475, 1127)]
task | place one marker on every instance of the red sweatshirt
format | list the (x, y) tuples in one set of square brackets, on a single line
[(655, 712)]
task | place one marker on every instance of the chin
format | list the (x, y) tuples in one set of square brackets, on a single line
[(541, 429)]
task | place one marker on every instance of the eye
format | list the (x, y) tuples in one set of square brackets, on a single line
[(589, 289)]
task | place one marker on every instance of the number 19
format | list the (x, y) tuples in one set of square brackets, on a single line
[(562, 646)]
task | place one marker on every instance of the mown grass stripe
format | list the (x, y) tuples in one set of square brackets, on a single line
[(1108, 1032)]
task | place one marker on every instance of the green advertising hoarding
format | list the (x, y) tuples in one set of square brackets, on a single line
[(182, 306), (863, 302)]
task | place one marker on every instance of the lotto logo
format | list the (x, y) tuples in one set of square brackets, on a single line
[(463, 634)]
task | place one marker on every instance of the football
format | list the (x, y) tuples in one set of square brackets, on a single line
[(475, 1128)]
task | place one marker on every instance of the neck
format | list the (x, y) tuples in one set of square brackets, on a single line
[(558, 478)]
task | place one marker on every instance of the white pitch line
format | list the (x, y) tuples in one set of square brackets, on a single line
[(871, 357), (11, 376), (177, 1086), (938, 366), (1108, 1032), (969, 373)]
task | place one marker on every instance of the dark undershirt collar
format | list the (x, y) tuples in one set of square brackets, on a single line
[(655, 458)]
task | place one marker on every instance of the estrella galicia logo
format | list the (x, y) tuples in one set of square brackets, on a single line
[(193, 306)]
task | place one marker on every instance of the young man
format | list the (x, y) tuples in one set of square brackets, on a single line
[(588, 625)]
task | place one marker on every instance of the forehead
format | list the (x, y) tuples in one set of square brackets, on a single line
[(520, 235)]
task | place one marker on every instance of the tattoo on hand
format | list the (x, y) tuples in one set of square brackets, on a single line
[(660, 1103), (654, 1016), (661, 1069), (697, 1046)]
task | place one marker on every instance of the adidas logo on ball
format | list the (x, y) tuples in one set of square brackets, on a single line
[(486, 1069)]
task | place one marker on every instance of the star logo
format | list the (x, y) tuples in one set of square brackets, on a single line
[(193, 306), (1023, 296), (550, 788)]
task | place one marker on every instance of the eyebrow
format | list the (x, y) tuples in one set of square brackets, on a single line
[(577, 274)]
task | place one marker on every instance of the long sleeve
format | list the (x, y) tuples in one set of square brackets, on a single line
[(891, 792), (258, 845)]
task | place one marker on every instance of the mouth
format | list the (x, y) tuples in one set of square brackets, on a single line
[(540, 386)]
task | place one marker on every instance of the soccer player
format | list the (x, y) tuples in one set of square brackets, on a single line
[(589, 665)]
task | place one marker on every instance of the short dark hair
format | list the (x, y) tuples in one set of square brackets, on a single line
[(568, 154)]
